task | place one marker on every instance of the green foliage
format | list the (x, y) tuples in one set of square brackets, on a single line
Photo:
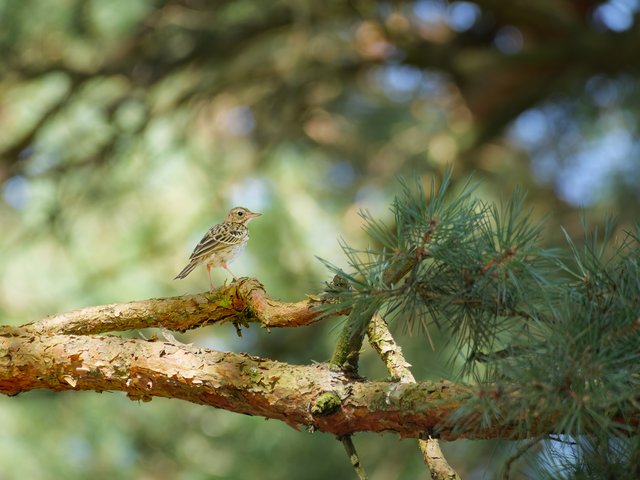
[(592, 458), (474, 270), (554, 333)]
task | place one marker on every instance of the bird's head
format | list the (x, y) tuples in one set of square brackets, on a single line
[(240, 215)]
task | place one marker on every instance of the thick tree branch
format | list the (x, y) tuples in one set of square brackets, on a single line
[(240, 302), (50, 355), (316, 396)]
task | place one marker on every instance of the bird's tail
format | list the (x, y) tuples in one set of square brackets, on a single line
[(186, 270)]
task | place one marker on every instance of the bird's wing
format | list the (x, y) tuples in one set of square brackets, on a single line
[(217, 238)]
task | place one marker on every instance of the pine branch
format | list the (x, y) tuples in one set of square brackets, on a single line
[(317, 397), (549, 335), (454, 262)]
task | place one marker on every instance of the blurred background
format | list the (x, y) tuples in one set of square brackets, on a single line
[(128, 128)]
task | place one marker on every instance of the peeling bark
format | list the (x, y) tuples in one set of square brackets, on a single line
[(236, 382), (391, 354), (63, 353), (241, 302)]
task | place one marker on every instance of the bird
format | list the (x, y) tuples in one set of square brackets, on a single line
[(222, 243)]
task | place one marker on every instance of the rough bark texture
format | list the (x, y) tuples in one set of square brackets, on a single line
[(240, 302), (62, 353), (391, 354), (237, 382)]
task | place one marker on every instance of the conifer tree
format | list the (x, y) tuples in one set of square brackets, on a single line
[(551, 337)]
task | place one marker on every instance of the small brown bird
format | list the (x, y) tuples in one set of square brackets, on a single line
[(222, 243)]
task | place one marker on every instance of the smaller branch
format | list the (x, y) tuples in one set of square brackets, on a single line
[(349, 344), (390, 352), (241, 302), (350, 448), (517, 454), (347, 352), (436, 461), (399, 269), (503, 258), (482, 357), (555, 438)]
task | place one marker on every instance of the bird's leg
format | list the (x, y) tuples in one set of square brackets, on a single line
[(209, 272), (224, 265)]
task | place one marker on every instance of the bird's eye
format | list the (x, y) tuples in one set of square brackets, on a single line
[(240, 214)]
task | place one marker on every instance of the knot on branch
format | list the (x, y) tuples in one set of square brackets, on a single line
[(240, 303), (326, 404)]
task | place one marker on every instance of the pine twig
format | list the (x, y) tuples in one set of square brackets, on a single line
[(390, 352), (350, 448), (517, 454)]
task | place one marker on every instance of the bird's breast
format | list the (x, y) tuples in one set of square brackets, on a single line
[(227, 254)]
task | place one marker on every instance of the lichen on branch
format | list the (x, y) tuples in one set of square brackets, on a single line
[(241, 302), (236, 382)]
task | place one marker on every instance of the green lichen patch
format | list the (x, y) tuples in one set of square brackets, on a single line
[(326, 404)]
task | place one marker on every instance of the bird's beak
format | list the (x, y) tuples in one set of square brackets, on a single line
[(253, 214)]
